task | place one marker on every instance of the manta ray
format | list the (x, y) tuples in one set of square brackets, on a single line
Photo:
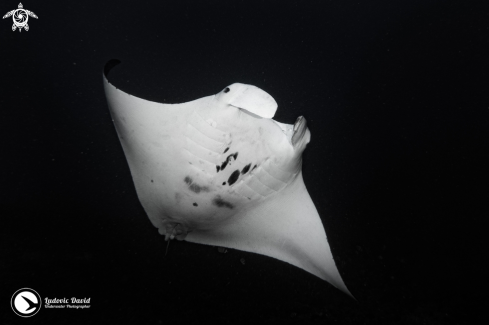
[(220, 171)]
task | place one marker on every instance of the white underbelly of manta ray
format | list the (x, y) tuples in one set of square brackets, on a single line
[(219, 171)]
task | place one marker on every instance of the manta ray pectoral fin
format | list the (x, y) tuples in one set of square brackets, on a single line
[(285, 226)]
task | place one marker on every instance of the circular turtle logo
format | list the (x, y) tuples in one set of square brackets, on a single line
[(26, 302), (20, 17)]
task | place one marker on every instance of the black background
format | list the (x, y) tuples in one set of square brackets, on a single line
[(396, 97)]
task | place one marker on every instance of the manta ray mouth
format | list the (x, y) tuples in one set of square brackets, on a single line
[(294, 132)]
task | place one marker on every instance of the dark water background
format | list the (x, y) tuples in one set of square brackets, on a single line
[(396, 98)]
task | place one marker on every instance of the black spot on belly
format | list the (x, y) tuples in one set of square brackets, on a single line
[(246, 169), (234, 177), (195, 204), (224, 164), (218, 168), (219, 202), (254, 167), (223, 183), (228, 159), (196, 188), (151, 181), (226, 150)]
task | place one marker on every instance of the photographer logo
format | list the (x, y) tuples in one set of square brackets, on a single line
[(20, 16), (26, 302)]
